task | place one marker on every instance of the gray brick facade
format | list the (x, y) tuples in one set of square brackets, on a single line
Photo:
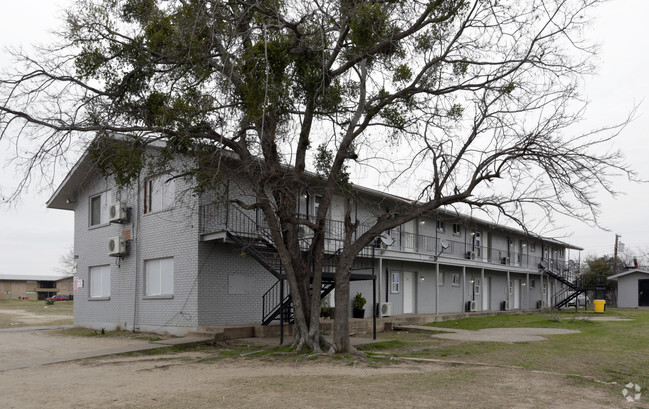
[(216, 283)]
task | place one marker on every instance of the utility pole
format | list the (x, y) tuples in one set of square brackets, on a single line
[(617, 237)]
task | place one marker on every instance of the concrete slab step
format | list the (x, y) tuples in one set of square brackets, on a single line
[(186, 340)]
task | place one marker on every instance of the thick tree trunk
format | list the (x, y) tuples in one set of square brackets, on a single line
[(341, 341)]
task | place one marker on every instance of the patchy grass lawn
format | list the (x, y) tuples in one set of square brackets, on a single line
[(27, 313), (607, 350)]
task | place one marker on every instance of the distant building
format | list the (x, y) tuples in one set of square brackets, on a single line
[(33, 287), (632, 288)]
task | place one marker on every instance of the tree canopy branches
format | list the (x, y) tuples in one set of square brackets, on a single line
[(477, 95)]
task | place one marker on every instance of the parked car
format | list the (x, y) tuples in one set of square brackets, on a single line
[(581, 300), (59, 297)]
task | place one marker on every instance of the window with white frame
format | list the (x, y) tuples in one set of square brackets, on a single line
[(99, 209), (457, 229), (440, 281), (532, 283), (99, 281), (441, 226), (160, 194), (394, 283), (532, 247), (159, 277), (476, 286), (456, 280)]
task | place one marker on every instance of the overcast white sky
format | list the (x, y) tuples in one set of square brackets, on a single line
[(32, 238)]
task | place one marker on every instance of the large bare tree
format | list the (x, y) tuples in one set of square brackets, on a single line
[(477, 95)]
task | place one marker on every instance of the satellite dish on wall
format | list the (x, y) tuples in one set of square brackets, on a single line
[(386, 239), (445, 244)]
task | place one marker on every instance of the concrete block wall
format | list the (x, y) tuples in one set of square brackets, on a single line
[(222, 302), (91, 250), (451, 296), (499, 288), (168, 233)]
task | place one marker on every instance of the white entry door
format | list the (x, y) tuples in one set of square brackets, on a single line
[(408, 292), (517, 294), (486, 294)]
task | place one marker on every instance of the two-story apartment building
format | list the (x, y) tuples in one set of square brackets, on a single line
[(151, 257), (33, 287)]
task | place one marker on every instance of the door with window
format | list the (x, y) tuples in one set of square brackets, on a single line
[(409, 283)]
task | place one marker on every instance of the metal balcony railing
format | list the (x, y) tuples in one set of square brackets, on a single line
[(214, 218)]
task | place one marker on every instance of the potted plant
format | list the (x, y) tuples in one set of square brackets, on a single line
[(325, 308), (359, 306)]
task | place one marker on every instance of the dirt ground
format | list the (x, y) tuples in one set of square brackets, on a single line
[(206, 379), (180, 380), (34, 347), (203, 380), (22, 317)]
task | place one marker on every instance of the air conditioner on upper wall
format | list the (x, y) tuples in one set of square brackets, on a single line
[(117, 213), (386, 309), (116, 246)]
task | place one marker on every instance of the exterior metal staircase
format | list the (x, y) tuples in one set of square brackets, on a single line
[(573, 282), (245, 229)]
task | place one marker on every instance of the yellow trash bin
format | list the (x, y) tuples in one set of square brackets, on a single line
[(599, 305)]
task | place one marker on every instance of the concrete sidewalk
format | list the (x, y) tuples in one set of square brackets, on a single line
[(94, 353), (506, 335)]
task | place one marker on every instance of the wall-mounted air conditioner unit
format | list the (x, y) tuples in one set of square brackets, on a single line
[(386, 309), (540, 304), (471, 306), (117, 213), (504, 306), (116, 246), (470, 255)]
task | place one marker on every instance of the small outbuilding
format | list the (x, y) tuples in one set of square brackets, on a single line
[(632, 288)]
